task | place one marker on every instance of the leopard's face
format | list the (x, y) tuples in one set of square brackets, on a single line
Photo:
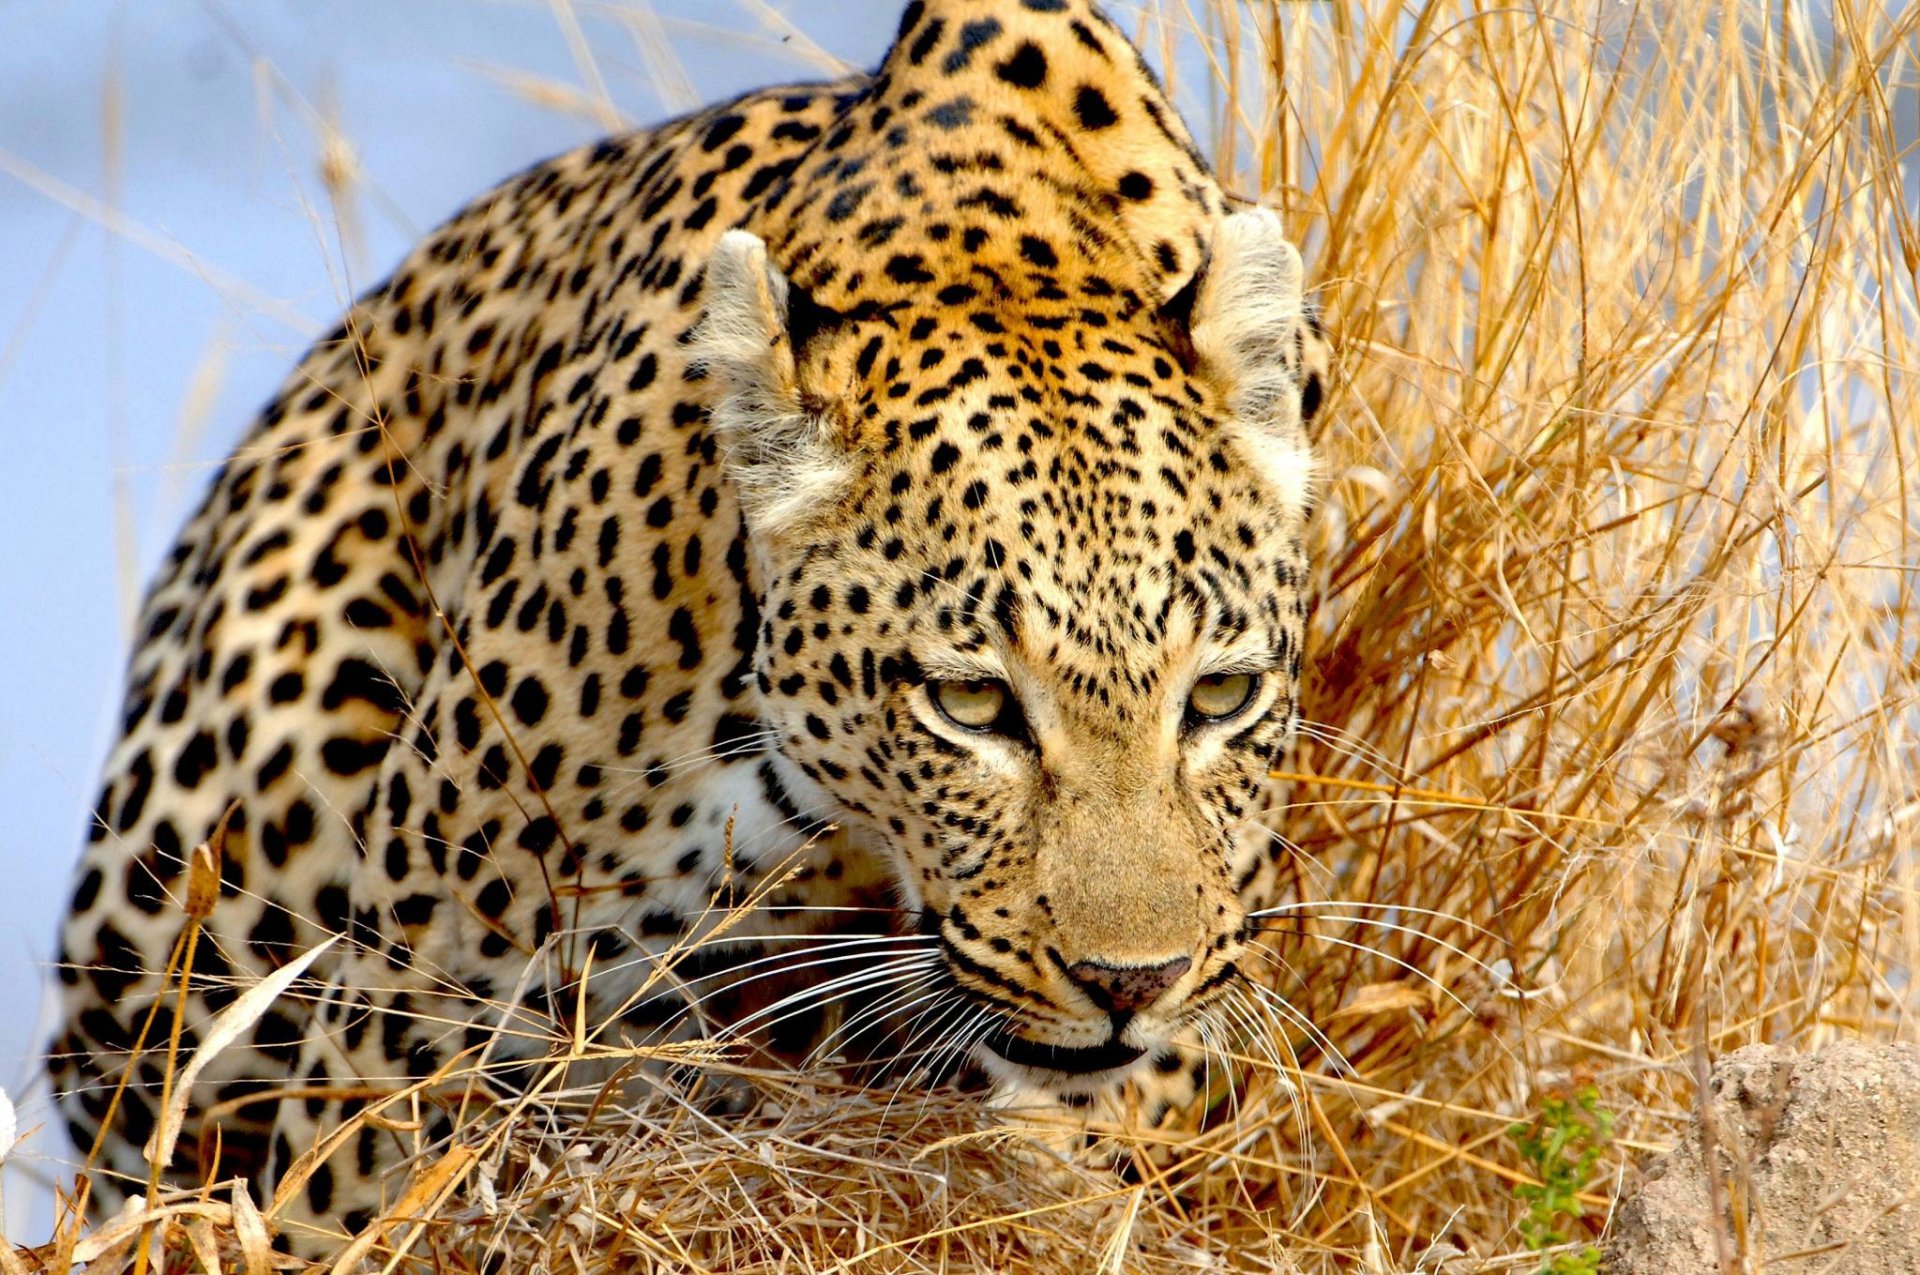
[(1032, 619)]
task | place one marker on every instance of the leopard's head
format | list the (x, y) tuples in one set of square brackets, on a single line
[(1032, 587)]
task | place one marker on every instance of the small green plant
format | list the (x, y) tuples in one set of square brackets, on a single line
[(1562, 1145)]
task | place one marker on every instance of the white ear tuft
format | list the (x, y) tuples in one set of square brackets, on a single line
[(1249, 328), (779, 455)]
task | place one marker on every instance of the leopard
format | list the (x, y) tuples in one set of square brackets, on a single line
[(872, 511)]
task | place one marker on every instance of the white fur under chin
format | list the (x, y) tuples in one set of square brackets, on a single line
[(1246, 328), (778, 454)]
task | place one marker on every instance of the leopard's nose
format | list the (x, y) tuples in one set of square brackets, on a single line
[(1125, 989)]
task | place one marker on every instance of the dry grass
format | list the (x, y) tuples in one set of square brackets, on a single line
[(1613, 685)]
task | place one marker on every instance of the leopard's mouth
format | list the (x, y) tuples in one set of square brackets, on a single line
[(1083, 1060)]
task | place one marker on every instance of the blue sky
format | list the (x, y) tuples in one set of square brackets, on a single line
[(132, 358)]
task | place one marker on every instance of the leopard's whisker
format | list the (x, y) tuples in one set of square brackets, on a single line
[(1278, 1003), (1395, 928), (930, 1058), (937, 1047), (739, 746), (1259, 1030), (1311, 862), (1412, 969), (772, 965), (1344, 743), (819, 994), (1362, 904), (733, 750), (961, 1037), (1260, 1015), (810, 1000), (780, 969), (864, 944), (896, 1004)]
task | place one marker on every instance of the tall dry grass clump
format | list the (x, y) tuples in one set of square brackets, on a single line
[(1616, 646), (1612, 696)]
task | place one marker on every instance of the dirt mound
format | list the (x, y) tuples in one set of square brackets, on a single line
[(1815, 1167)]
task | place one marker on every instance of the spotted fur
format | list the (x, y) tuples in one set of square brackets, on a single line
[(612, 558)]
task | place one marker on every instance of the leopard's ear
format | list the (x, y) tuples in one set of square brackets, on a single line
[(1250, 332), (780, 454)]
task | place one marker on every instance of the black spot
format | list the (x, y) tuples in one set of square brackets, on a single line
[(908, 268), (1038, 252), (493, 898), (529, 701), (1310, 399), (498, 561), (415, 909), (1027, 68), (908, 20), (644, 372), (735, 734), (330, 907), (846, 202), (143, 888), (276, 765), (327, 569), (972, 36), (680, 628), (398, 861), (545, 766), (1093, 109), (358, 680), (118, 965), (494, 769), (272, 936), (923, 45), (1136, 185), (87, 891), (721, 131), (493, 677), (195, 761), (364, 613), (346, 756), (538, 836), (236, 672)]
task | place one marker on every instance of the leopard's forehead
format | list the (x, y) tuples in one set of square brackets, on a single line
[(1083, 513)]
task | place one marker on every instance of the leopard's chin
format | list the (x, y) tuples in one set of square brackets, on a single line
[(1064, 1060)]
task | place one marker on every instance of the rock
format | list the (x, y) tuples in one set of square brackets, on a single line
[(1819, 1171)]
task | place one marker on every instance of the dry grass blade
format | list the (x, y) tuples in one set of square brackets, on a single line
[(226, 1027), (250, 1232), (424, 1194)]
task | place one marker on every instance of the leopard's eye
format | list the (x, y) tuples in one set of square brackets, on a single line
[(1219, 696), (976, 704)]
